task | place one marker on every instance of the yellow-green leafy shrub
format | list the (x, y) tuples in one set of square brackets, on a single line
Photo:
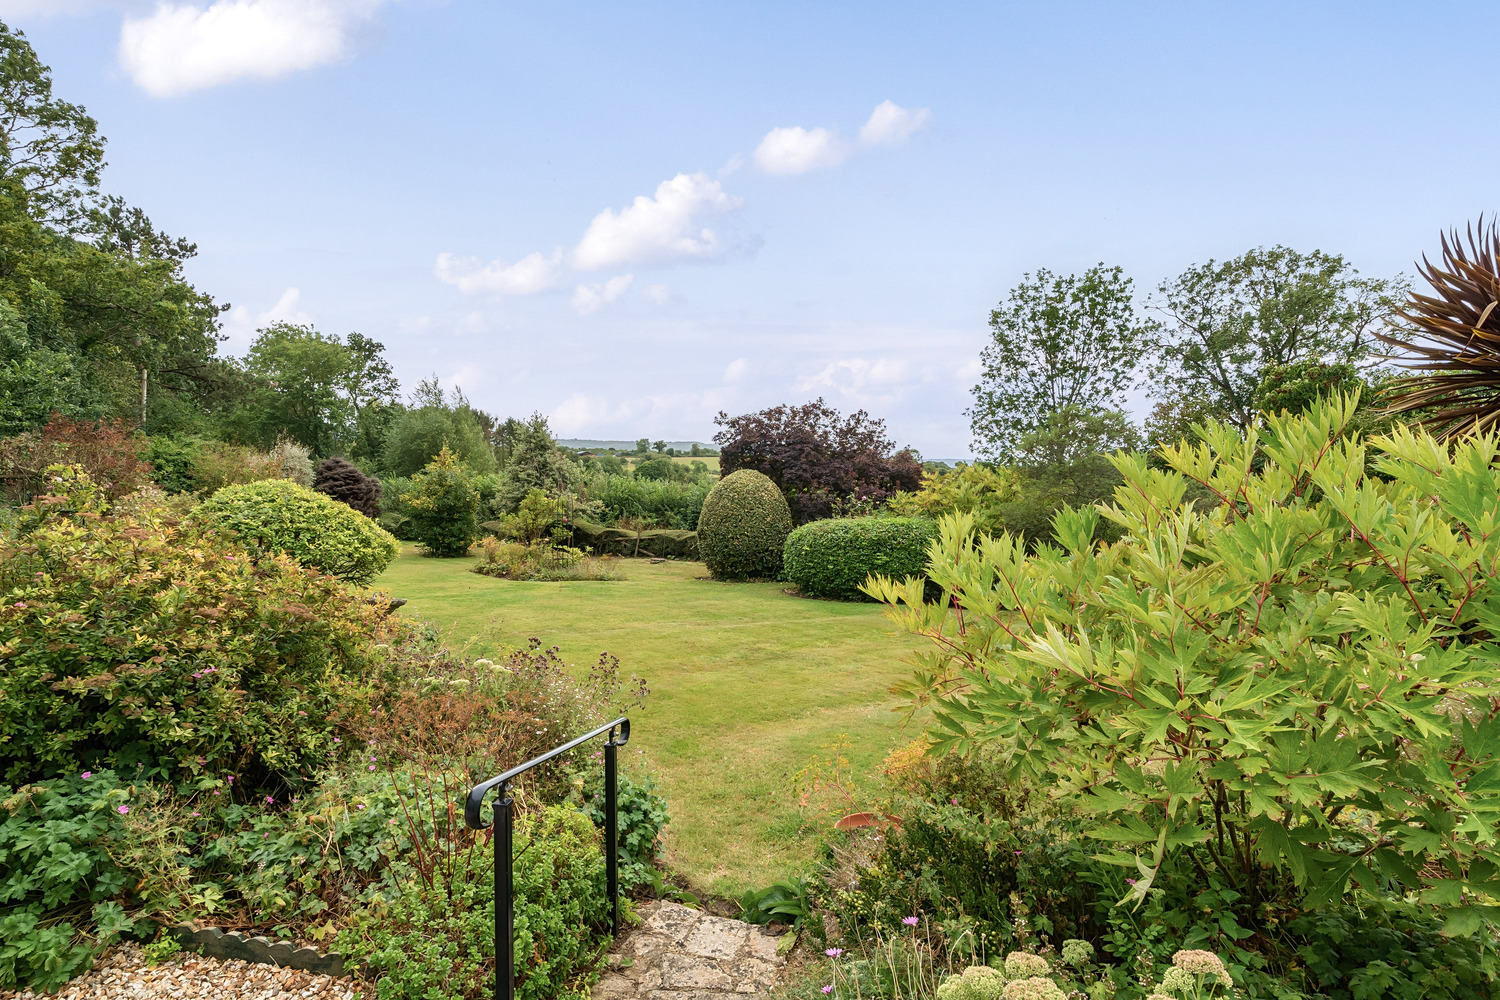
[(743, 527), (278, 515)]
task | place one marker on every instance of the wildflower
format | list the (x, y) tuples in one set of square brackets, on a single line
[(123, 810), (87, 775), (1202, 963), (909, 921), (216, 791), (1033, 988), (20, 604), (197, 814), (828, 989), (1130, 881), (231, 779), (834, 952), (335, 739), (372, 767), (360, 806), (270, 799), (265, 836)]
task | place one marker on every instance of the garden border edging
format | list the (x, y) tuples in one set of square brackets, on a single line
[(216, 943)]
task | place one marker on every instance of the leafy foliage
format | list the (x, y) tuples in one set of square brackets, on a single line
[(834, 557), (1233, 686), (339, 479), (442, 507), (1057, 342), (743, 527), (279, 516), (983, 491), (110, 453), (1228, 323), (640, 812), (668, 504), (816, 456), (146, 639)]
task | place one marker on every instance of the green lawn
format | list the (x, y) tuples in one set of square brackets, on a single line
[(747, 685)]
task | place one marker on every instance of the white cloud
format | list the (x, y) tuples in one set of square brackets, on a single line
[(796, 150), (890, 124), (527, 276), (660, 294), (592, 298), (857, 378), (182, 47), (666, 227), (737, 369), (240, 325)]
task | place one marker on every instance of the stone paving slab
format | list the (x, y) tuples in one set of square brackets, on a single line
[(682, 954)]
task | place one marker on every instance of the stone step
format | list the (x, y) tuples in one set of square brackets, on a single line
[(679, 953)]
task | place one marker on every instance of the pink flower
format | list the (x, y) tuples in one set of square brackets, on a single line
[(834, 952), (270, 799), (372, 767), (828, 989), (360, 806), (909, 921), (216, 791), (335, 739), (87, 775), (197, 814), (1130, 881), (123, 810)]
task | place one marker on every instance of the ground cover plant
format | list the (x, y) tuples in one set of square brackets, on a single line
[(1281, 699)]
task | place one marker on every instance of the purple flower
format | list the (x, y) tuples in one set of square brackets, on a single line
[(360, 806), (1130, 881), (216, 791), (123, 810), (909, 921), (197, 814), (87, 775), (270, 799), (834, 952), (828, 989)]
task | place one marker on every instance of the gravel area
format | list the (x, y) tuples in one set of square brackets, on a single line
[(122, 974)]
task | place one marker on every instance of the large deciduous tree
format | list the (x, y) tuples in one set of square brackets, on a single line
[(1058, 341), (1227, 323), (816, 456)]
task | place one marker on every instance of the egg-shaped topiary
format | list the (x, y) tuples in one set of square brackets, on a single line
[(833, 557), (277, 515), (743, 527)]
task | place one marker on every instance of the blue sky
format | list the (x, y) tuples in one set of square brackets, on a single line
[(583, 209)]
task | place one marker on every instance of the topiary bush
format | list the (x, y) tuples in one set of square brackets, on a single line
[(148, 639), (340, 479), (743, 527), (277, 515), (834, 557)]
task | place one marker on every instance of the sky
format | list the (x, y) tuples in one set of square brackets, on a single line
[(629, 217)]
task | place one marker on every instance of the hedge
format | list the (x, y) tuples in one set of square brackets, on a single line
[(831, 558), (744, 524), (277, 515)]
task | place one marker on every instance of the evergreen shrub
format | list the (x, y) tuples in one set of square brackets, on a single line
[(834, 557), (442, 508), (743, 527), (340, 479), (277, 515)]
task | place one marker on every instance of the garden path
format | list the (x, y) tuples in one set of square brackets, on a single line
[(682, 954)]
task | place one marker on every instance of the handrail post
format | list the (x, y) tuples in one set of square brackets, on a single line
[(611, 854), (505, 914)]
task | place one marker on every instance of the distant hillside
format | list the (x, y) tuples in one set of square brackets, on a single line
[(585, 444)]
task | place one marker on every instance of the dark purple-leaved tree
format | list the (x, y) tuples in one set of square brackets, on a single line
[(817, 456)]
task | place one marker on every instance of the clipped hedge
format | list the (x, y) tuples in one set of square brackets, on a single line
[(743, 527), (277, 515), (662, 542), (831, 558)]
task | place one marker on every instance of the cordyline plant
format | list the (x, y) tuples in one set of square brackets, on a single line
[(1453, 335), (1296, 682)]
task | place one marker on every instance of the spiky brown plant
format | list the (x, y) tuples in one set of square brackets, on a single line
[(1453, 334)]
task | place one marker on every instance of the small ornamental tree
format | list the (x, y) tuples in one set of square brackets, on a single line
[(443, 507), (743, 527), (339, 479), (816, 456), (1289, 689)]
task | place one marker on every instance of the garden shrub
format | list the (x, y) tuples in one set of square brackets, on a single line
[(641, 814), (664, 503), (834, 557), (293, 461), (217, 465), (149, 639), (1201, 660), (442, 507), (57, 877), (277, 515), (172, 460), (743, 527), (542, 561), (112, 455), (436, 937), (344, 482)]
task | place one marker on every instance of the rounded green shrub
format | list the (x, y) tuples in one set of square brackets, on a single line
[(831, 558), (442, 510), (278, 515), (743, 526)]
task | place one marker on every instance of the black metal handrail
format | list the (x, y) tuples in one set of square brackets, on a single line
[(505, 932)]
